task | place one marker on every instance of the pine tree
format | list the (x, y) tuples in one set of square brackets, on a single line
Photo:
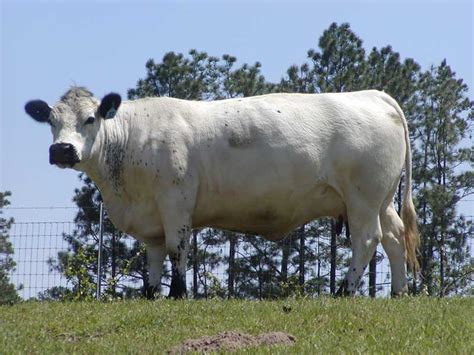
[(299, 79), (8, 292), (445, 114), (340, 64), (176, 76), (200, 77)]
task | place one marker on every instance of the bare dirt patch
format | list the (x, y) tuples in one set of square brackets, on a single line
[(230, 341)]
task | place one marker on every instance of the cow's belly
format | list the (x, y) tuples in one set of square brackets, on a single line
[(272, 214), (140, 219)]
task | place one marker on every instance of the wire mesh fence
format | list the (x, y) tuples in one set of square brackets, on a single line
[(220, 264), (37, 246)]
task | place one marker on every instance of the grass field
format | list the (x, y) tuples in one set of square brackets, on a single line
[(408, 325)]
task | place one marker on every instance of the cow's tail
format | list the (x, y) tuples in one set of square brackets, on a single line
[(408, 213)]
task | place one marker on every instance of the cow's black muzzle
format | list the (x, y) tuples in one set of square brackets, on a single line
[(63, 154)]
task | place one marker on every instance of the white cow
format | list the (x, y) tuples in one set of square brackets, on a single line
[(263, 165)]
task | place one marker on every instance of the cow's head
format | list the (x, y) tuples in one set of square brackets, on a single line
[(75, 122)]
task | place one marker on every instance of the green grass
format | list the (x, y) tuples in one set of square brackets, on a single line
[(360, 325)]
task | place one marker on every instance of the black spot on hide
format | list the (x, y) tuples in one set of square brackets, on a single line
[(239, 140), (114, 155)]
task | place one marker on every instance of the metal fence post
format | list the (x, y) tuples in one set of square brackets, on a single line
[(99, 253)]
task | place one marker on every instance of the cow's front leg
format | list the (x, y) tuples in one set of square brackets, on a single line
[(176, 218), (156, 254)]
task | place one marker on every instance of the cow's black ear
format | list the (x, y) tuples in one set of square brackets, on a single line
[(109, 105), (38, 110)]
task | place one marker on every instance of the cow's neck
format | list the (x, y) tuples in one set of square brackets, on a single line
[(107, 167)]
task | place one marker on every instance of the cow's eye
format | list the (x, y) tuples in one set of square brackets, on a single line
[(90, 120)]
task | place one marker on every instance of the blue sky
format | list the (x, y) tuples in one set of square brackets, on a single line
[(46, 46)]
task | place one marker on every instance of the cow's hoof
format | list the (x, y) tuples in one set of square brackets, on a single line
[(152, 292), (177, 288), (399, 294), (343, 290)]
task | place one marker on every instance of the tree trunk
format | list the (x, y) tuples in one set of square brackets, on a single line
[(301, 277), (442, 253), (195, 264), (114, 262), (426, 245), (205, 280), (284, 259), (442, 247), (399, 202), (373, 275), (319, 268), (333, 251), (146, 284), (231, 273)]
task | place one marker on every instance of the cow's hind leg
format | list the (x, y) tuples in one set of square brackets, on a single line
[(366, 233), (394, 246)]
